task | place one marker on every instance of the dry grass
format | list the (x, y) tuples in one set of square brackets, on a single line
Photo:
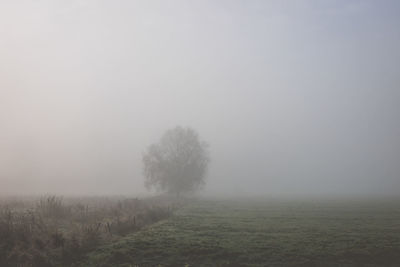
[(51, 231)]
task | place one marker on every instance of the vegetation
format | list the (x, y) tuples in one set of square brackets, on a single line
[(178, 163), (53, 232), (259, 233)]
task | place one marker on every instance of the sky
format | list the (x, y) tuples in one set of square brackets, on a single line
[(293, 97)]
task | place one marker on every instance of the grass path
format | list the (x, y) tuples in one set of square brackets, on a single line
[(259, 233)]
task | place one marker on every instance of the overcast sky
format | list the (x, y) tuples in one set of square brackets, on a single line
[(294, 97)]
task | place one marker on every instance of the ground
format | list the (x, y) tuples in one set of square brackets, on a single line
[(264, 233)]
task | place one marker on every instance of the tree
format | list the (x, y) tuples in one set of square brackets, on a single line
[(177, 163)]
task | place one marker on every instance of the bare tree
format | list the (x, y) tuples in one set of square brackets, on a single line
[(177, 163)]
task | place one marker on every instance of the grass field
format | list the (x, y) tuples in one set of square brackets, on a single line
[(264, 233), (52, 231)]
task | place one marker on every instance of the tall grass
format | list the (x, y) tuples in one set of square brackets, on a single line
[(51, 231)]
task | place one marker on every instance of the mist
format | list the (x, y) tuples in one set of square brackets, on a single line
[(293, 97)]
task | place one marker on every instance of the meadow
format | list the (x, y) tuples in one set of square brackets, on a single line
[(54, 231), (264, 233)]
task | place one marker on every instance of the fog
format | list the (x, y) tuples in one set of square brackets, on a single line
[(293, 97)]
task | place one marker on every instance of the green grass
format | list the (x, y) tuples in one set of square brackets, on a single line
[(264, 233)]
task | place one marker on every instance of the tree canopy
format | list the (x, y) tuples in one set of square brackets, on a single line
[(177, 163)]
